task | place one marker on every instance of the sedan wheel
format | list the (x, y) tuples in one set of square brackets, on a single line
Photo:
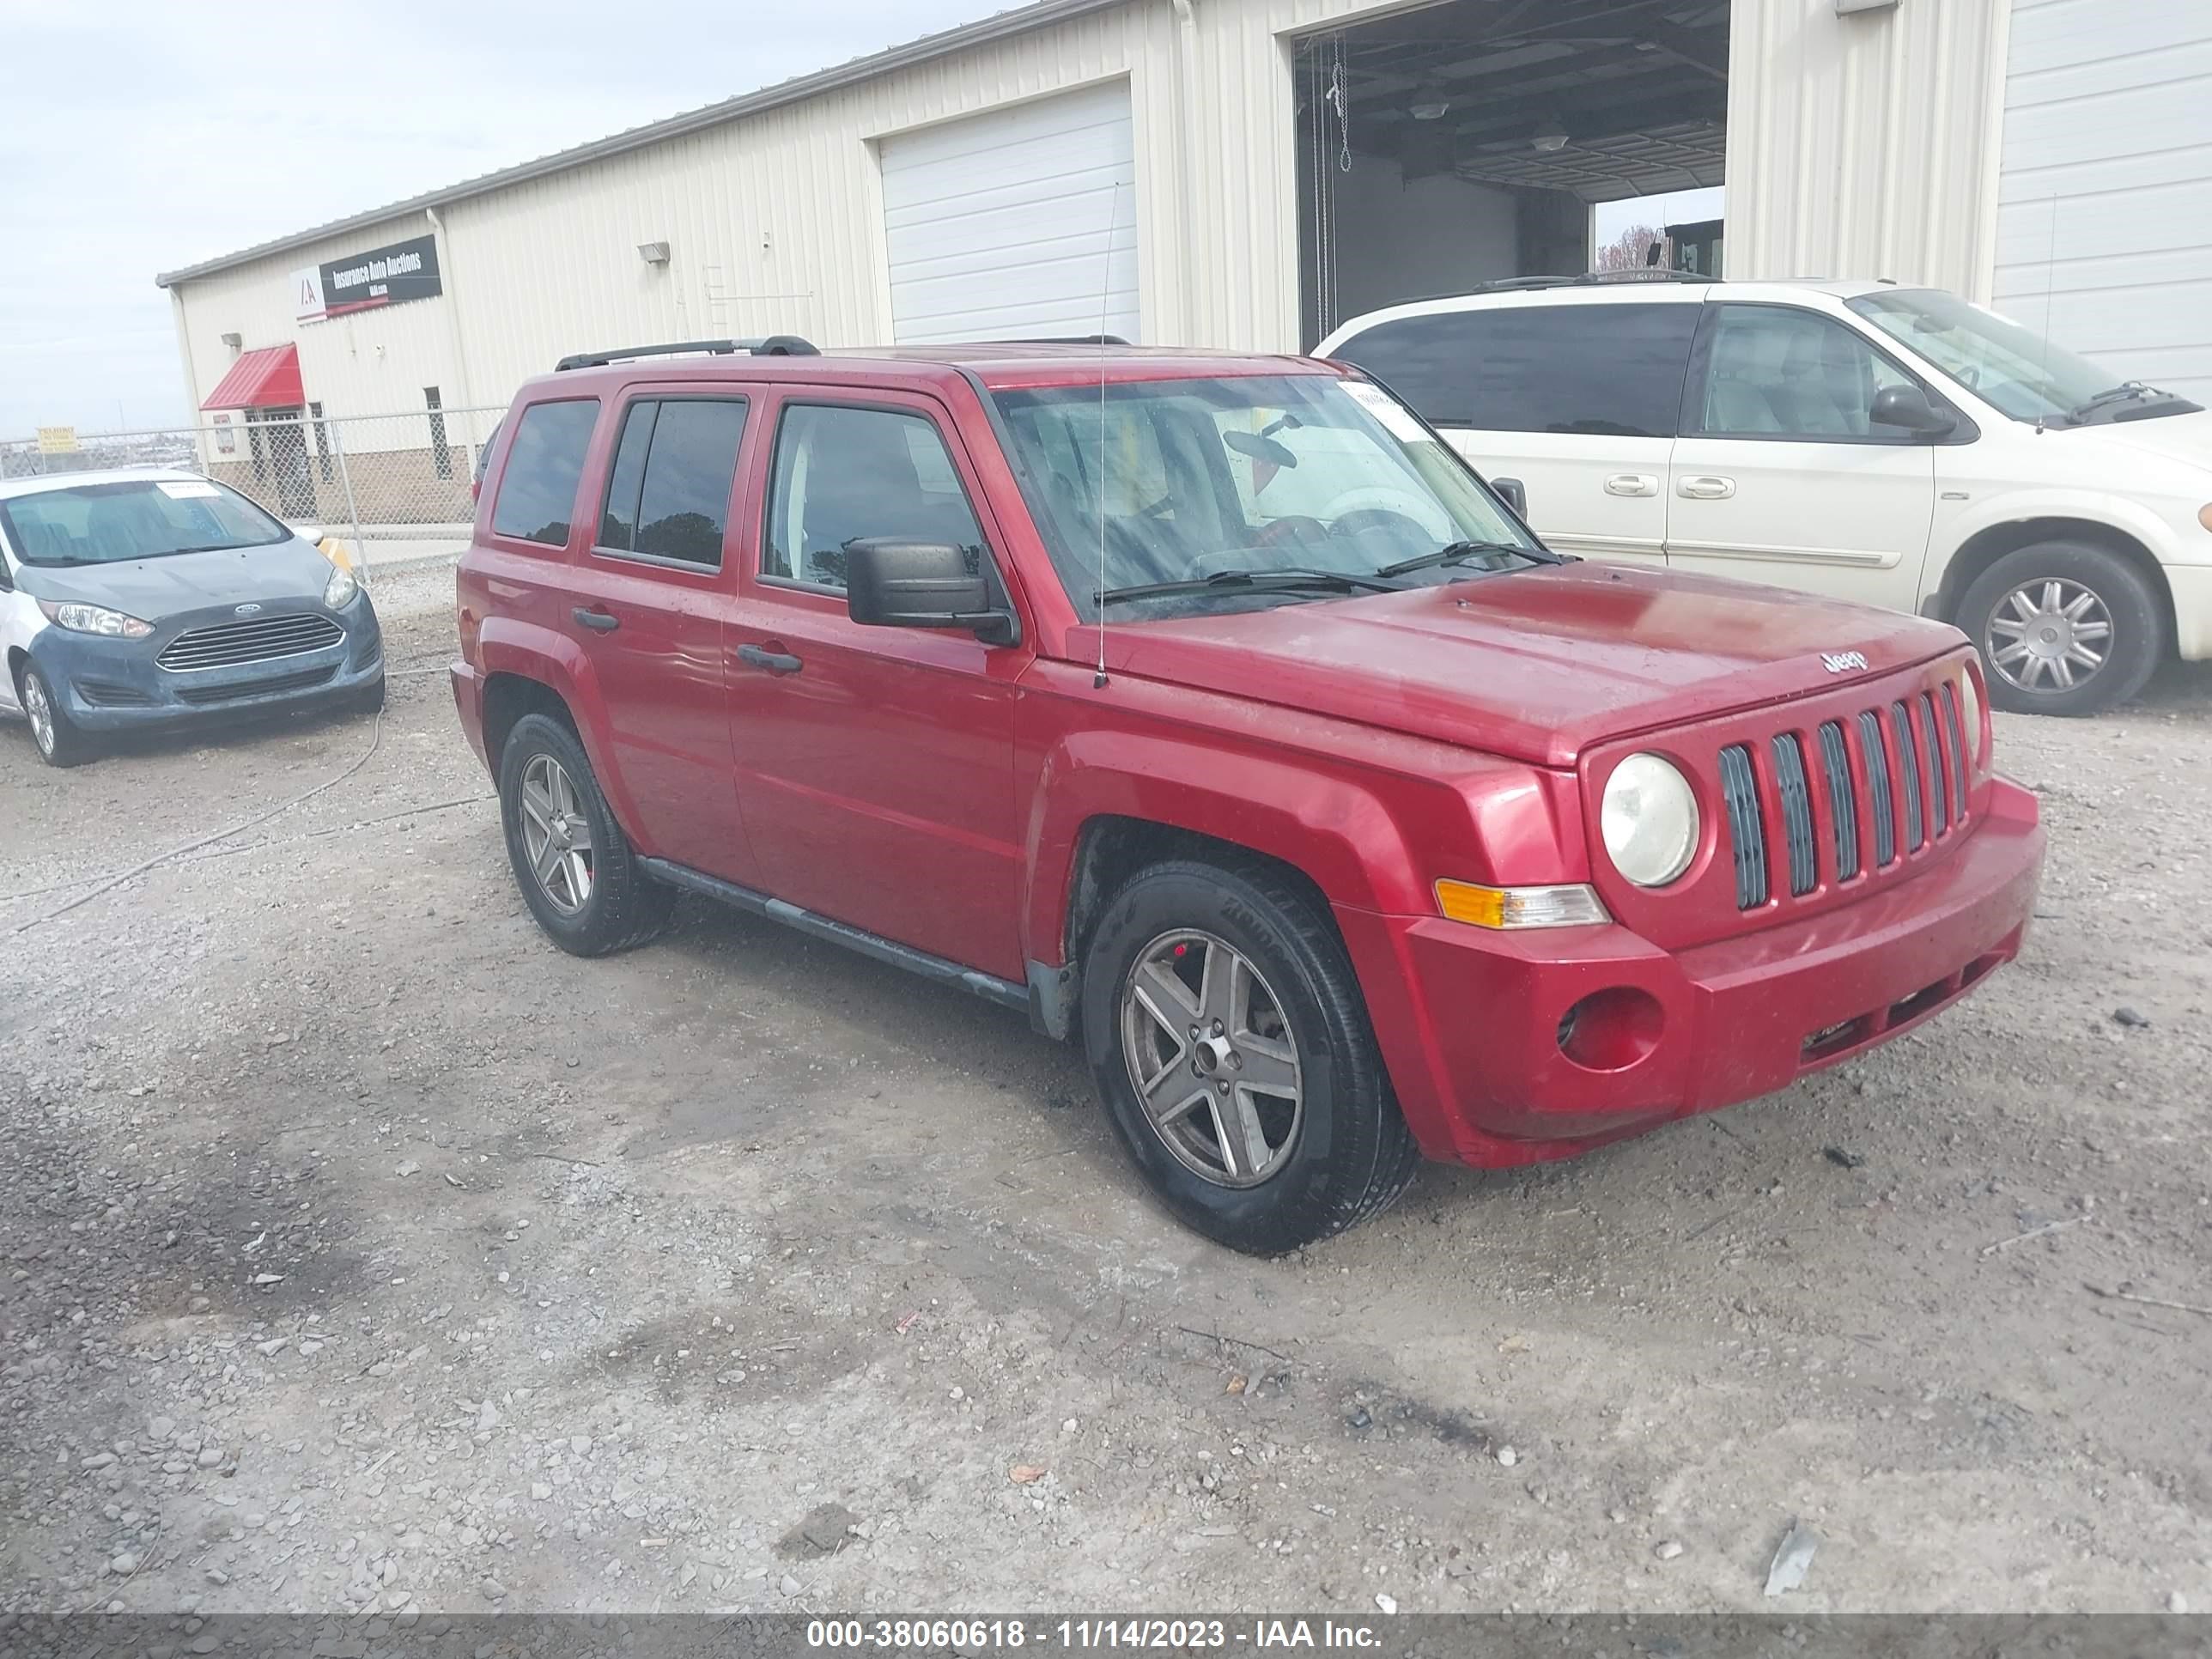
[(556, 836), (40, 713), (1213, 1058)]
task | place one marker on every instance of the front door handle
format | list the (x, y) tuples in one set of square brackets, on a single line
[(1707, 488), (1631, 483), (777, 662), (599, 621)]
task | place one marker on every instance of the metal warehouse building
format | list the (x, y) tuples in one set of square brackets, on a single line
[(1244, 174)]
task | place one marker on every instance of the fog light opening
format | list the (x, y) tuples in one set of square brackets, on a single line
[(1612, 1030)]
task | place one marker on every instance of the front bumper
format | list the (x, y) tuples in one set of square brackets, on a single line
[(1474, 1043), (116, 685), (2192, 587)]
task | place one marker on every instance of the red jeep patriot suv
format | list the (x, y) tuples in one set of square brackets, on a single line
[(1209, 709)]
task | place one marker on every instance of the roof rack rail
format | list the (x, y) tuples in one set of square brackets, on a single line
[(771, 345), (1070, 339), (1593, 279)]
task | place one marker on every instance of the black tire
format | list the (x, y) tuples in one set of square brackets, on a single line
[(624, 907), (2129, 605), (58, 739), (1352, 1154)]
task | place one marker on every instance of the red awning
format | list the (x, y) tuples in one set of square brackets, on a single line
[(267, 379)]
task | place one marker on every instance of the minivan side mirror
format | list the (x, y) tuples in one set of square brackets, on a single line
[(1907, 406), (900, 581), (1513, 492)]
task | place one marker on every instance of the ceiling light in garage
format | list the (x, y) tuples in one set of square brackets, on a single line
[(1431, 109), (1549, 138)]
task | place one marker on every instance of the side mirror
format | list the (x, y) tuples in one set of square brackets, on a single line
[(1514, 494), (898, 581), (1907, 406), (310, 533)]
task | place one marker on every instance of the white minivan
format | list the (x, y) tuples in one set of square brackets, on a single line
[(1896, 445)]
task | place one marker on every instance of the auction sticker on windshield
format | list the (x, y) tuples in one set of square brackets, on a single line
[(185, 489), (1397, 419)]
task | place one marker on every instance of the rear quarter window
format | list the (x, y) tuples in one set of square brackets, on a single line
[(544, 472), (1603, 370)]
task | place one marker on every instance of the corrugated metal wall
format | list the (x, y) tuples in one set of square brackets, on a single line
[(1865, 145), (774, 222), (2105, 233)]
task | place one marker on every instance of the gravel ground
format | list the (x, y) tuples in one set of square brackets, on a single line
[(360, 1251)]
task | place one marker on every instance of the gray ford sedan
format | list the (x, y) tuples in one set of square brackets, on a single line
[(149, 598)]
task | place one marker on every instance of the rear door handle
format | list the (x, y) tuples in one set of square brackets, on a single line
[(1631, 483), (777, 662), (1707, 488), (598, 622)]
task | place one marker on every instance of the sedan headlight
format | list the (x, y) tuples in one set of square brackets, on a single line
[(94, 619), (1648, 818), (339, 592)]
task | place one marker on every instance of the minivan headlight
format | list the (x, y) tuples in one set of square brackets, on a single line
[(339, 592), (1648, 819), (94, 619)]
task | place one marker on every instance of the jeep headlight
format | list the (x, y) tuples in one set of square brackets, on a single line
[(1970, 720), (1649, 817), (339, 592)]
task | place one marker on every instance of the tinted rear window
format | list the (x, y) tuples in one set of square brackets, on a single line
[(1606, 370), (544, 466)]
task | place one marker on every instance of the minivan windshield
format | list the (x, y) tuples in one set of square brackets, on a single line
[(2013, 368), (1262, 489), (128, 519)]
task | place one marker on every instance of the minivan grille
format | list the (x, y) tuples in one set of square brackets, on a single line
[(258, 639), (1910, 756)]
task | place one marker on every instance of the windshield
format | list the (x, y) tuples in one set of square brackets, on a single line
[(1202, 480), (134, 518), (2013, 368)]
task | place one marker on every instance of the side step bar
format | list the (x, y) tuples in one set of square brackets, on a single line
[(988, 987)]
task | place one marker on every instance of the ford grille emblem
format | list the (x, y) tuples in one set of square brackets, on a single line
[(1842, 662), (255, 610)]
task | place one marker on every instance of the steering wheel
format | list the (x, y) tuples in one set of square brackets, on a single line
[(1361, 520), (1289, 530)]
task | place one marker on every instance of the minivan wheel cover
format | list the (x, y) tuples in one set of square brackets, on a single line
[(1213, 1058), (2049, 636), (40, 713), (556, 836)]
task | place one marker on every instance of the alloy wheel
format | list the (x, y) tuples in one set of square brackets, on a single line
[(557, 834), (40, 713), (2049, 635), (1211, 1057)]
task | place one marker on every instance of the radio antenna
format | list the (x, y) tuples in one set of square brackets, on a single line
[(1105, 312)]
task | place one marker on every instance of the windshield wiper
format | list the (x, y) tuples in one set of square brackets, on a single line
[(2112, 394), (1292, 581), (1453, 552)]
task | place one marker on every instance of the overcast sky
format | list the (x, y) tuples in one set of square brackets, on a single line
[(137, 136)]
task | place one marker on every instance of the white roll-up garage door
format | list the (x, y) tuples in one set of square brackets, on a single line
[(998, 225), (2106, 196)]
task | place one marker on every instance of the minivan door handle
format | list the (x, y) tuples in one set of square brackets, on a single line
[(599, 621), (1707, 488), (1631, 483)]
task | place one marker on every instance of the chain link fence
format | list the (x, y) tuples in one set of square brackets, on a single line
[(395, 488)]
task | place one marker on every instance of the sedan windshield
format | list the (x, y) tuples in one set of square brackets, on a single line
[(133, 519), (2015, 368), (1171, 496)]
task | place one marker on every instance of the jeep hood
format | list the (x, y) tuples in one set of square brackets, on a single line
[(1536, 664), (150, 589)]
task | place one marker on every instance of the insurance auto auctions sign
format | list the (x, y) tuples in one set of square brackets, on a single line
[(382, 277)]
